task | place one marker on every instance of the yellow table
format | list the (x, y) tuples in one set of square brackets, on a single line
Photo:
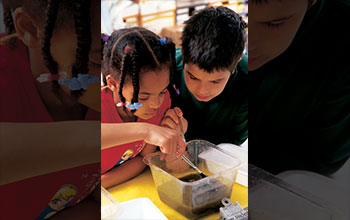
[(143, 186)]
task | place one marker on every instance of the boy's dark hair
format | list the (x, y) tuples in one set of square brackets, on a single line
[(55, 15), (129, 52), (214, 39)]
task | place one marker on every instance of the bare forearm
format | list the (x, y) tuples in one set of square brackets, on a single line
[(113, 134), (32, 149), (123, 172)]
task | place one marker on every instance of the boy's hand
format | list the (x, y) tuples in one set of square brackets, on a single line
[(171, 120)]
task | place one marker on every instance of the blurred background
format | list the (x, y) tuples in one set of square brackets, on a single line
[(164, 17)]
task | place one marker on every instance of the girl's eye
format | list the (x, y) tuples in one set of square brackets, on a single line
[(143, 98), (164, 91)]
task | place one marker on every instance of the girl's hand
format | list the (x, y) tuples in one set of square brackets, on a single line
[(168, 140), (175, 164), (171, 120)]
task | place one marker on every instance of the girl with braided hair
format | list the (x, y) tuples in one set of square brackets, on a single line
[(49, 68), (137, 66)]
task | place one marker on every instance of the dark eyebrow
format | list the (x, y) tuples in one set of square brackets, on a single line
[(146, 93), (210, 80), (188, 72)]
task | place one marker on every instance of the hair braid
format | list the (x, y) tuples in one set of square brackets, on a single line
[(170, 46), (135, 73), (149, 48), (9, 25), (51, 16), (82, 27), (83, 31), (8, 20), (123, 71)]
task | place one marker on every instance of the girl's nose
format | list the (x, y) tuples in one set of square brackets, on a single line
[(155, 102)]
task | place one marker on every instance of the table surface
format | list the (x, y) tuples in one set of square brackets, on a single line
[(143, 186)]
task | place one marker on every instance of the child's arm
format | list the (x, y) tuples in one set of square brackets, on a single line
[(123, 172), (168, 140), (128, 169), (33, 149)]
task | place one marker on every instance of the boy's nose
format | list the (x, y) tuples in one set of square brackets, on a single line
[(202, 89)]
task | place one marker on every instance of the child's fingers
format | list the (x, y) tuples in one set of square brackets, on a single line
[(172, 114), (178, 112), (168, 122), (162, 156), (181, 147)]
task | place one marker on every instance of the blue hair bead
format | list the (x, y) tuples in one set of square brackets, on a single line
[(163, 41), (134, 106)]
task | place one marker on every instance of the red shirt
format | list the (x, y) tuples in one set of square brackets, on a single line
[(34, 198), (118, 154)]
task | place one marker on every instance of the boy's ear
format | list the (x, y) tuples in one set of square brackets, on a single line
[(26, 27), (313, 2), (112, 83)]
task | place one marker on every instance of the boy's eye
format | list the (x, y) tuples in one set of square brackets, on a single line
[(273, 24), (192, 77), (216, 81)]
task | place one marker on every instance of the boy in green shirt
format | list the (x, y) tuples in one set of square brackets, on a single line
[(300, 85), (210, 84)]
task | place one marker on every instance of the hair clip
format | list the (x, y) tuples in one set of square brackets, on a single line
[(163, 41), (127, 48), (80, 82), (134, 106), (46, 77), (120, 104), (176, 89), (105, 38)]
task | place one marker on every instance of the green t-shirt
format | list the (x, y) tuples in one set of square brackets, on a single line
[(299, 103), (224, 119)]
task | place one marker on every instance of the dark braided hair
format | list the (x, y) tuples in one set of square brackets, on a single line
[(49, 26), (57, 14), (129, 52)]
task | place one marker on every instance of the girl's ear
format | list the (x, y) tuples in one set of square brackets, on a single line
[(27, 28), (112, 83)]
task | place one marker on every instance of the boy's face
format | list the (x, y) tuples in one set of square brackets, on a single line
[(205, 86), (272, 27)]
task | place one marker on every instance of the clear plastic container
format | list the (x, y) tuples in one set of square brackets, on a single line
[(110, 207), (192, 199), (272, 198)]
